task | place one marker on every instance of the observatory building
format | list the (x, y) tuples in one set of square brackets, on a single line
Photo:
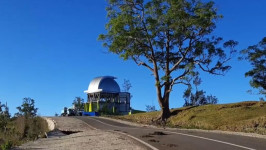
[(104, 96)]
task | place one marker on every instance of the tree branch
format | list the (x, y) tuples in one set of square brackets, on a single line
[(140, 63), (183, 56), (173, 82)]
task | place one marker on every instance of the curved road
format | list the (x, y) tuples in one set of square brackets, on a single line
[(178, 139)]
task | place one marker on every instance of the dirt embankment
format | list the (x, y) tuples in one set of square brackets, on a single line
[(83, 138)]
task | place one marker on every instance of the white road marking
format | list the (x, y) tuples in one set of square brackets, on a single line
[(139, 140), (113, 125), (200, 137), (209, 139)]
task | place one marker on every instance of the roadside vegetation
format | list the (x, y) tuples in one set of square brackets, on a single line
[(238, 117), (24, 126), (256, 55)]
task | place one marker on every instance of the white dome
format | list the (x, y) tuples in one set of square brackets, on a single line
[(105, 84)]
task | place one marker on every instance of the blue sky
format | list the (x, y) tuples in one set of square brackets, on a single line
[(49, 52)]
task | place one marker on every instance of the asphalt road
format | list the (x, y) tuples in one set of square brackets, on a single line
[(165, 139)]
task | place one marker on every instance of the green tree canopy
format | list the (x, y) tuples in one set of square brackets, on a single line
[(78, 103), (256, 55), (27, 108), (172, 38)]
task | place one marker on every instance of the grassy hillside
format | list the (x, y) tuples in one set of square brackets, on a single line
[(240, 117)]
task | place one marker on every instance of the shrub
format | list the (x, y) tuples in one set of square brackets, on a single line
[(6, 146)]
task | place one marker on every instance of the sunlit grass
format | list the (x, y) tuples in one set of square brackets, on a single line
[(239, 117)]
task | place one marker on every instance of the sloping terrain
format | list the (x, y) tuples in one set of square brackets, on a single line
[(239, 117)]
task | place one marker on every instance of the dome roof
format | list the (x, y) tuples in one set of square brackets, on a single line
[(105, 84)]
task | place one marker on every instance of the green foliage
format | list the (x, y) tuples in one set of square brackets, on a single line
[(137, 29), (199, 98), (256, 55), (23, 127), (27, 108), (167, 36), (6, 146), (78, 102)]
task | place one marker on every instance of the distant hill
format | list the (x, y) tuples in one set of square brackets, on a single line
[(247, 116), (134, 111)]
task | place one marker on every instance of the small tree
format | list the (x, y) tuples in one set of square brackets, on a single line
[(27, 108), (199, 97), (150, 108), (126, 85), (4, 116), (256, 55), (78, 103), (171, 38), (211, 99)]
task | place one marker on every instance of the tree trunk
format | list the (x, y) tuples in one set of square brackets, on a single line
[(164, 104), (165, 111), (163, 101)]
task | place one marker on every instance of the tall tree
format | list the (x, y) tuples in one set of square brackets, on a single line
[(256, 55), (27, 108), (171, 38)]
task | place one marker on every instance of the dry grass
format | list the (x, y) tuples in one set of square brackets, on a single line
[(20, 130), (240, 117)]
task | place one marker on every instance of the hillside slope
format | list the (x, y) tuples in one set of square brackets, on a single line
[(240, 117)]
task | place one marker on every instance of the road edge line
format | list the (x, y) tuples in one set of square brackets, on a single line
[(93, 128), (137, 139), (200, 137), (209, 139), (243, 134)]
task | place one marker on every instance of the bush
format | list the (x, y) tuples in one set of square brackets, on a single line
[(22, 129), (6, 146), (31, 128)]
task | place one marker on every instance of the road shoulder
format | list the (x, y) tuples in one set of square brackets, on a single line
[(83, 138), (196, 130)]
